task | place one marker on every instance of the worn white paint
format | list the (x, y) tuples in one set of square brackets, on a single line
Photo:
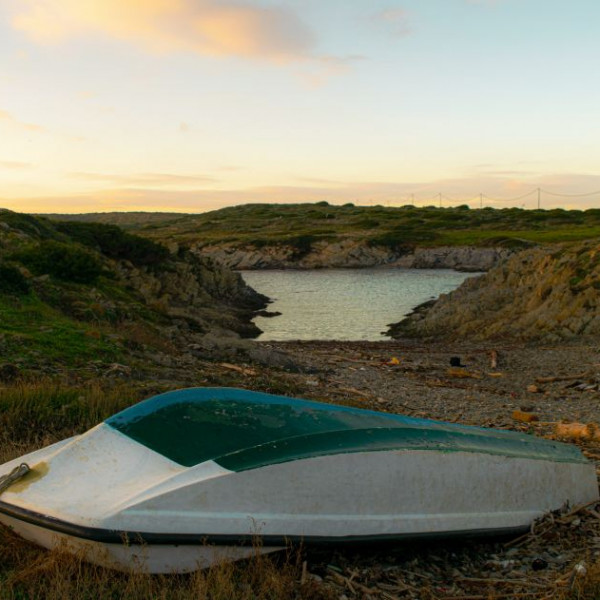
[(147, 559)]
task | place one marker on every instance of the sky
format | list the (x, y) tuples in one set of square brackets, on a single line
[(190, 105)]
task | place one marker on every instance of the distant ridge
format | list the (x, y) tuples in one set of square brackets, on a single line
[(122, 219)]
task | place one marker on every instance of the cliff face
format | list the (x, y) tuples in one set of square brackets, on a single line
[(548, 294), (197, 290), (352, 254)]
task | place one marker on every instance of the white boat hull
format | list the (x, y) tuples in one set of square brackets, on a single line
[(127, 506), (144, 558)]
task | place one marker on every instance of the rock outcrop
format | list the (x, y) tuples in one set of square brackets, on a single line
[(541, 293), (352, 254), (199, 291)]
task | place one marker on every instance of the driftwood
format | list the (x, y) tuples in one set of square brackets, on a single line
[(351, 585), (237, 368), (495, 596), (562, 378), (498, 581), (577, 431)]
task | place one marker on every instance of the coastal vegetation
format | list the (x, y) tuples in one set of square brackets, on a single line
[(302, 225), (87, 295)]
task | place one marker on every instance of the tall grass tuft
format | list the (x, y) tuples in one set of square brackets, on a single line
[(33, 415), (28, 572)]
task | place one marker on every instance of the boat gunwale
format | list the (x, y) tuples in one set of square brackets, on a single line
[(139, 538)]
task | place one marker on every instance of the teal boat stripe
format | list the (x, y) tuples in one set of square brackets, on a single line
[(380, 440), (241, 429)]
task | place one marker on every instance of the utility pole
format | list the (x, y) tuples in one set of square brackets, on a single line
[(539, 195)]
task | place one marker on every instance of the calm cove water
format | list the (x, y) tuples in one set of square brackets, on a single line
[(344, 304)]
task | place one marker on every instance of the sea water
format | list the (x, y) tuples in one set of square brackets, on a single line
[(344, 304)]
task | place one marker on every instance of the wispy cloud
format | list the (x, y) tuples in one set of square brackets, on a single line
[(229, 168), (484, 2), (16, 165), (208, 27), (319, 71), (144, 179), (394, 20), (9, 118), (500, 192)]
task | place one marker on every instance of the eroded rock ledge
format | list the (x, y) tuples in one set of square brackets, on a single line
[(353, 254), (543, 293)]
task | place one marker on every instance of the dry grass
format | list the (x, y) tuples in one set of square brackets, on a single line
[(35, 414), (28, 572)]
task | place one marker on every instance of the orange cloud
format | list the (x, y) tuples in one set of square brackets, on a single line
[(203, 26), (7, 117), (13, 164)]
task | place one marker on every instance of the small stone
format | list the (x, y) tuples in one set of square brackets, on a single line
[(539, 564)]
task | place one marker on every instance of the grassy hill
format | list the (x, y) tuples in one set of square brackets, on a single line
[(304, 224), (83, 296)]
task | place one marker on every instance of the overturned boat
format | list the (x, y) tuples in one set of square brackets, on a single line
[(196, 476)]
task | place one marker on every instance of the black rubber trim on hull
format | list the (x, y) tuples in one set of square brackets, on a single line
[(111, 536)]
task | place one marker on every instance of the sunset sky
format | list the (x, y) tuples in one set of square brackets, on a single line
[(189, 105)]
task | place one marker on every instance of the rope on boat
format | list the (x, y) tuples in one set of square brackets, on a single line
[(7, 480)]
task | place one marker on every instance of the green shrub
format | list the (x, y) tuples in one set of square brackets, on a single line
[(12, 280), (302, 245), (63, 261), (511, 243), (115, 243), (35, 226), (399, 240)]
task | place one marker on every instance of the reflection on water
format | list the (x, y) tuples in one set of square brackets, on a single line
[(344, 304)]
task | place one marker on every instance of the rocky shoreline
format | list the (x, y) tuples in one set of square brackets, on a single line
[(545, 294)]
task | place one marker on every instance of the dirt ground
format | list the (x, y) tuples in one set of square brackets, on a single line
[(419, 379)]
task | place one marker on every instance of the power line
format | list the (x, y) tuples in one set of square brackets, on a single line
[(509, 199), (481, 197), (431, 199), (571, 195)]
